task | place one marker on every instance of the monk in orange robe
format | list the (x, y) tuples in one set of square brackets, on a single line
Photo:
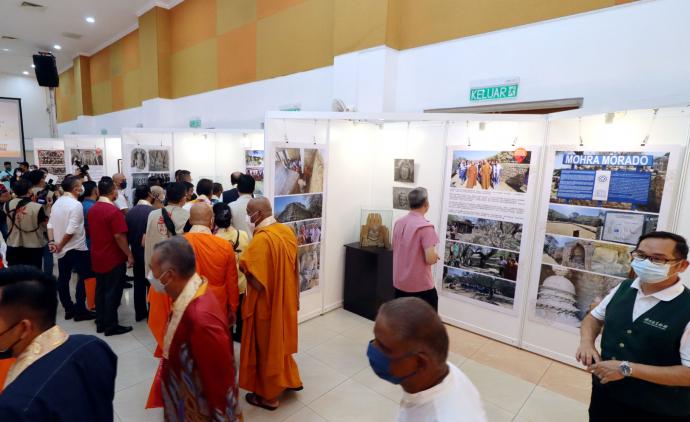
[(215, 260), (269, 311), (487, 171), (471, 176)]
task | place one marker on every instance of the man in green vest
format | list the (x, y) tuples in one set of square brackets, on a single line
[(643, 371)]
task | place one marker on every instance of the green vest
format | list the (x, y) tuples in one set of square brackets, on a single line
[(652, 339)]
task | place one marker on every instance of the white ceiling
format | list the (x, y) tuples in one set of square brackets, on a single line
[(38, 29)]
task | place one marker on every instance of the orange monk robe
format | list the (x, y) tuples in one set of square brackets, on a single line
[(471, 176), (215, 262), (486, 175), (5, 365), (269, 335), (160, 307)]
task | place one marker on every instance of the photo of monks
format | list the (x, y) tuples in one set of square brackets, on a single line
[(481, 231), (482, 259), (254, 158), (618, 180), (565, 295), (298, 171), (400, 201), (159, 160), (490, 170), (307, 231), (403, 170), (257, 173), (481, 287), (298, 207), (90, 157), (599, 223), (599, 257), (309, 260)]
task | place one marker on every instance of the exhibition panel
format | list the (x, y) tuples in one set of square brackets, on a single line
[(147, 154), (101, 154), (49, 153), (11, 128)]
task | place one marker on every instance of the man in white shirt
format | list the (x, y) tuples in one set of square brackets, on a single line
[(122, 201), (643, 371), (411, 349), (67, 240), (238, 208), (204, 190)]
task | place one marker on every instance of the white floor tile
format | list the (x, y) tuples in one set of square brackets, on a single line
[(317, 378), (368, 378), (339, 320), (497, 387), (546, 406), (343, 354), (129, 404), (304, 415), (289, 405), (312, 334), (134, 367), (351, 401), (497, 414)]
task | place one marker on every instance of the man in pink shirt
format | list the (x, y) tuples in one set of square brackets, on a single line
[(414, 251)]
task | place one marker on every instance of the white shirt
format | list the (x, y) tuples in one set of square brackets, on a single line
[(455, 399), (643, 303), (122, 202), (201, 199), (238, 210), (67, 217)]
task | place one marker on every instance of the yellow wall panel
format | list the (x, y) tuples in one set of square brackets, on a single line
[(237, 56), (414, 23), (266, 8), (102, 98), (192, 22), (100, 66), (130, 51), (64, 96), (117, 93), (358, 24), (232, 14), (116, 64), (195, 69), (297, 39)]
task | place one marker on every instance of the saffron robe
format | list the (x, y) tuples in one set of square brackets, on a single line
[(471, 176), (269, 335), (487, 171)]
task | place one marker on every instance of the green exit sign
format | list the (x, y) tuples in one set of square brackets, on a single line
[(195, 123), (496, 92)]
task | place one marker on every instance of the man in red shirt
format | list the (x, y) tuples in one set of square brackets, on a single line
[(414, 251), (110, 256)]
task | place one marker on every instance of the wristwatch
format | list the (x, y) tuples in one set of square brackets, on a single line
[(625, 368)]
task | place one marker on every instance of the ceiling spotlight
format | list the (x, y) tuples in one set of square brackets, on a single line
[(90, 19), (26, 72), (5, 49), (57, 47), (33, 65)]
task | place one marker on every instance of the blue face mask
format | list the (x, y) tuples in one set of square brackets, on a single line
[(380, 364)]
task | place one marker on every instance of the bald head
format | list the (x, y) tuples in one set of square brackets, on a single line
[(235, 177), (201, 214), (259, 209), (118, 178), (415, 325)]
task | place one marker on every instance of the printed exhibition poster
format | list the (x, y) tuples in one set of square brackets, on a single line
[(298, 202), (91, 156), (143, 161), (487, 207), (50, 155), (254, 164), (599, 204)]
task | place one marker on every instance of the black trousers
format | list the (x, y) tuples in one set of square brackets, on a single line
[(237, 333), (605, 408), (109, 288), (19, 255), (81, 262), (429, 296), (141, 285)]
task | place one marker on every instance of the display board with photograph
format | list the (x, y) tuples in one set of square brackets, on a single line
[(487, 207), (85, 152), (141, 161), (50, 154), (254, 162), (599, 204), (299, 174), (11, 128)]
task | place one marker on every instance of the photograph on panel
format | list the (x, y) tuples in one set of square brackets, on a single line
[(482, 231), (159, 160), (599, 257), (257, 173), (298, 171), (50, 157), (482, 259), (505, 171), (309, 258), (89, 157), (403, 170), (481, 287), (298, 207), (307, 231), (254, 158), (400, 198), (137, 159)]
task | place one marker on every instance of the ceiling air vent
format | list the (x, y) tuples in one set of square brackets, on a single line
[(32, 5), (8, 37), (71, 35)]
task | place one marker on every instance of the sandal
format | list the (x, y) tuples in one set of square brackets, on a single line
[(256, 400), (300, 388)]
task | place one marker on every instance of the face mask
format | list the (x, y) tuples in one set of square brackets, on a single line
[(123, 184), (155, 283), (7, 353), (380, 364), (650, 273), (81, 190), (251, 225)]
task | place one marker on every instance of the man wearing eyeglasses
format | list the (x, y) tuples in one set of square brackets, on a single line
[(643, 371)]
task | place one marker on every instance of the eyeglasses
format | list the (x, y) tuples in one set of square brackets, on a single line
[(653, 259)]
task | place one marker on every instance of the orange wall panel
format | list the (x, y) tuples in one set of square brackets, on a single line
[(192, 22), (100, 66), (117, 93), (237, 56), (130, 51), (266, 8)]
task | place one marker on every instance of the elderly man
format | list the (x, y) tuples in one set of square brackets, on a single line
[(643, 371), (122, 201), (414, 251), (410, 348), (198, 369), (215, 260), (231, 195), (269, 312), (57, 376)]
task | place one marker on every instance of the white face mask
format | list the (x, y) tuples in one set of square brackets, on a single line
[(649, 272), (155, 283)]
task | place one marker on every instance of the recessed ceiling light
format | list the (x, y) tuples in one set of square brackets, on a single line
[(26, 72), (5, 49), (90, 19), (33, 65), (57, 47)]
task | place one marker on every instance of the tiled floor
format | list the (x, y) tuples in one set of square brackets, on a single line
[(339, 386)]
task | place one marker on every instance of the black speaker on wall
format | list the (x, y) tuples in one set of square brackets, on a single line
[(46, 70)]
